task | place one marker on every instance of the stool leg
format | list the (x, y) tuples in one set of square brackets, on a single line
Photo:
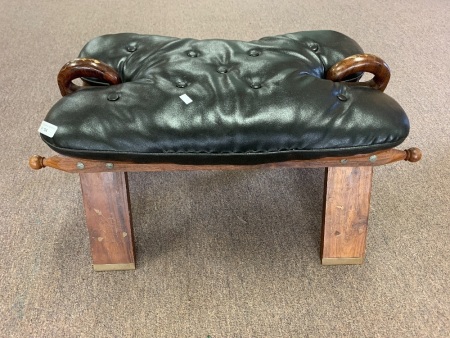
[(345, 214), (107, 207)]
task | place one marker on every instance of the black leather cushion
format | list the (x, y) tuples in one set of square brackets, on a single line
[(252, 102)]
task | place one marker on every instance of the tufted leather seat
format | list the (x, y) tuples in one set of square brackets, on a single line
[(219, 101)]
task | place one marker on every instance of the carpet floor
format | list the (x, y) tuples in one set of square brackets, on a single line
[(225, 254)]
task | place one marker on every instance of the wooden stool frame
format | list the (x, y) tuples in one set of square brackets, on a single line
[(106, 201), (348, 180)]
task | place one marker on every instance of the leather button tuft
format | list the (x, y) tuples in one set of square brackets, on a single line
[(181, 84), (113, 96), (342, 97), (254, 53), (132, 48), (222, 70), (192, 54), (315, 47), (256, 85)]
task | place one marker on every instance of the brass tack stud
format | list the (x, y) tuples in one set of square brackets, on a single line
[(344, 161), (113, 96), (342, 97), (109, 165), (192, 54), (254, 53), (373, 158), (80, 165), (222, 70), (131, 48), (181, 84), (256, 85)]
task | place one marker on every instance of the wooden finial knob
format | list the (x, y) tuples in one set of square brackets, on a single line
[(36, 162), (413, 154)]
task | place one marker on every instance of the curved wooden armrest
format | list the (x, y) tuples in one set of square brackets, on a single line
[(362, 63), (85, 68)]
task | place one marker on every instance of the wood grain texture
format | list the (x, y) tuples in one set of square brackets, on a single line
[(361, 63), (85, 68), (346, 214), (72, 164), (107, 207)]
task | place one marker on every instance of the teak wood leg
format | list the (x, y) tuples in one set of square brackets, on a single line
[(345, 214), (108, 218)]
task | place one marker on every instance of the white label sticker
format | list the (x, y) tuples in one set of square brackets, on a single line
[(186, 98), (47, 129)]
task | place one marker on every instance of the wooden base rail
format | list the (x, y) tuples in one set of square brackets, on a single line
[(106, 200), (78, 165)]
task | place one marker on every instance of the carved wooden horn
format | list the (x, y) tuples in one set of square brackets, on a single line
[(85, 68), (362, 63)]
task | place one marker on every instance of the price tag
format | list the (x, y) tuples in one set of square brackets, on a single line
[(47, 129), (186, 99)]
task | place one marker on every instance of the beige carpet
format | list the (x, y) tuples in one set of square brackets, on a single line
[(225, 254)]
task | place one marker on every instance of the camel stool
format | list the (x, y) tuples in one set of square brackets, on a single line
[(155, 103)]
